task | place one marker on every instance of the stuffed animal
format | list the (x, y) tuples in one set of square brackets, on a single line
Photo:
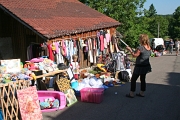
[(44, 105), (55, 103)]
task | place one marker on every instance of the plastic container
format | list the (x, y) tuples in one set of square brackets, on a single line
[(42, 95), (77, 93), (93, 95)]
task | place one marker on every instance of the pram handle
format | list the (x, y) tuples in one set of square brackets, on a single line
[(125, 44)]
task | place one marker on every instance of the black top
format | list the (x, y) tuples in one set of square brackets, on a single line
[(143, 58), (142, 61)]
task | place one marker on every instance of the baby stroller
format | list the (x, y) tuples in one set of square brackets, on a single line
[(109, 64)]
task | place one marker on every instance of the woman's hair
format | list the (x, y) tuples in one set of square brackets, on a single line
[(144, 39)]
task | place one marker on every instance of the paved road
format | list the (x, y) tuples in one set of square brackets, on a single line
[(162, 100)]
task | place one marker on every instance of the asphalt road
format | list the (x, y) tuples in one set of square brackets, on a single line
[(162, 100)]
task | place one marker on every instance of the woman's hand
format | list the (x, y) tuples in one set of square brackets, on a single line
[(128, 48)]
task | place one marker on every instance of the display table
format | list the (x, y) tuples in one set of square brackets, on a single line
[(39, 75), (51, 73)]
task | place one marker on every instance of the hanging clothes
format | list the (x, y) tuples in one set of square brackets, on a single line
[(112, 43), (29, 52), (105, 43), (108, 37), (90, 50), (64, 51), (98, 44), (71, 49), (51, 56), (101, 42), (67, 50), (78, 50), (44, 50), (94, 50), (33, 51), (85, 49), (60, 56), (75, 47)]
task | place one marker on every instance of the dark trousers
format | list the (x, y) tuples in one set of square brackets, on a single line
[(142, 79)]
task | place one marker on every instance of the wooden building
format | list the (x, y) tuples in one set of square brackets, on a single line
[(25, 21)]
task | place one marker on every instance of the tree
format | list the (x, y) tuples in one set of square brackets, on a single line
[(124, 11), (175, 24), (151, 12), (152, 24), (163, 26)]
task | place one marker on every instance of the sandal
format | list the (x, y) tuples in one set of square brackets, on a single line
[(138, 94), (129, 96)]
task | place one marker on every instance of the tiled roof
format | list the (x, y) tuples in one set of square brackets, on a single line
[(54, 18)]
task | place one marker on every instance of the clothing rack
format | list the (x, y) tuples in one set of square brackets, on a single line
[(60, 39)]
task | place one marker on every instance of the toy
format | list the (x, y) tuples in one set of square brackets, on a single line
[(14, 77), (44, 105), (75, 66)]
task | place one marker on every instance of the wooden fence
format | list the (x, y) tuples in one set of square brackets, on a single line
[(9, 101)]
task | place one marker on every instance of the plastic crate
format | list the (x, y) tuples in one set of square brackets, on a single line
[(93, 95)]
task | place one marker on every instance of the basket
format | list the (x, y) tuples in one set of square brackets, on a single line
[(92, 95)]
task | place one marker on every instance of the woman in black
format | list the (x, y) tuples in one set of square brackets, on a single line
[(142, 66)]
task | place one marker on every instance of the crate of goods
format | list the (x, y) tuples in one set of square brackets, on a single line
[(93, 95)]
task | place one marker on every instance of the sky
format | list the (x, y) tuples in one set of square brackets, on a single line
[(163, 7)]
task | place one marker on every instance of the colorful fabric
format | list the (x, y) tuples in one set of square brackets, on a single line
[(29, 104)]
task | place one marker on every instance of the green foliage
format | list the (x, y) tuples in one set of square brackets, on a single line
[(136, 20), (151, 12), (175, 24)]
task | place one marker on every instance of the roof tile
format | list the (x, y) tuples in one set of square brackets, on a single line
[(54, 18)]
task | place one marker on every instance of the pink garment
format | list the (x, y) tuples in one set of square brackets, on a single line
[(108, 37), (101, 42), (51, 57), (36, 60), (57, 47), (105, 43), (64, 48)]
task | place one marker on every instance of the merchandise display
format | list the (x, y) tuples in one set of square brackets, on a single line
[(60, 69)]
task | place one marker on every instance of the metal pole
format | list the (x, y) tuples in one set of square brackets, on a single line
[(158, 30)]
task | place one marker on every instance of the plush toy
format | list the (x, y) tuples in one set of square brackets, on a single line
[(55, 103), (33, 76), (30, 66), (21, 64), (44, 105), (6, 76), (14, 77), (23, 76), (50, 101)]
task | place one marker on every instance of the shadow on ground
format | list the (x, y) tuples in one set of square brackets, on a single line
[(162, 102)]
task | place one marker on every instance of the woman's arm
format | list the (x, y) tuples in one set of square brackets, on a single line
[(134, 54)]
